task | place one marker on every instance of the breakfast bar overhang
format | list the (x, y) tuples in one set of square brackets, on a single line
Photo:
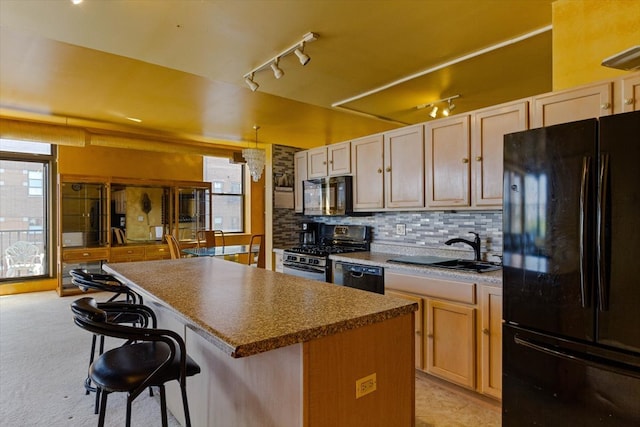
[(278, 350)]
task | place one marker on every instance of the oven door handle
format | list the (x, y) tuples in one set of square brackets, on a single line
[(303, 268)]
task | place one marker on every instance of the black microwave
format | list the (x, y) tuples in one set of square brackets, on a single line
[(328, 196)]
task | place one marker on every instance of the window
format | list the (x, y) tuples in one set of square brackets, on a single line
[(35, 182), (25, 181), (227, 183)]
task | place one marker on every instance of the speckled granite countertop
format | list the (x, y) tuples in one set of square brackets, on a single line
[(245, 310), (381, 259)]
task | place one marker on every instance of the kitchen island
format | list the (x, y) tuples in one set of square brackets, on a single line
[(280, 350)]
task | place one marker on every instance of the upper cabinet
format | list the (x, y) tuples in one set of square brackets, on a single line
[(299, 174), (334, 159), (629, 87), (367, 166), (488, 128), (584, 102), (447, 152), (404, 167)]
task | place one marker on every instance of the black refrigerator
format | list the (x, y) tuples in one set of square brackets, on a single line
[(571, 274)]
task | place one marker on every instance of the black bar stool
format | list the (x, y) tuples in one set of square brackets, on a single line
[(153, 358)]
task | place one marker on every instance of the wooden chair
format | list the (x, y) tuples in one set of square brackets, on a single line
[(207, 238), (256, 259), (118, 235), (174, 246)]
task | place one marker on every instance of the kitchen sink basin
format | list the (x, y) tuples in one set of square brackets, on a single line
[(467, 265)]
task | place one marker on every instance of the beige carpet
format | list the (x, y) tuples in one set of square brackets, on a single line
[(44, 358), (43, 363)]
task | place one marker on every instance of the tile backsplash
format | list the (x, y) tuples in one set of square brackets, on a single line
[(424, 230)]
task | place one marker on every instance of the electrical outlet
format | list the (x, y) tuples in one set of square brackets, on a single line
[(366, 385), (401, 229)]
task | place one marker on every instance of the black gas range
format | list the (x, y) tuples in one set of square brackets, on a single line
[(312, 261)]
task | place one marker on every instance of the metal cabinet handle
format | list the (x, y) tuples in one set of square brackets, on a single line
[(388, 169), (324, 163), (605, 106), (379, 170), (628, 101), (479, 158), (465, 160), (331, 161), (429, 335), (485, 331)]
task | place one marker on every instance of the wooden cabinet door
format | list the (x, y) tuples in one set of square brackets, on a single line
[(317, 163), (566, 106), (491, 341), (487, 140), (630, 87), (451, 351), (299, 174), (447, 161), (419, 340), (404, 167), (368, 179), (339, 157)]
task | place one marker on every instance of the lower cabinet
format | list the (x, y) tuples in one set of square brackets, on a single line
[(490, 354), (458, 329), (451, 341), (419, 342)]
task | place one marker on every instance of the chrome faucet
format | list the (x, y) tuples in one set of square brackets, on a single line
[(475, 244)]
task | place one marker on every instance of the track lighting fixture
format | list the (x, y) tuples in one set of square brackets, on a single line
[(449, 108), (252, 85), (274, 63), (304, 58), (434, 106), (277, 71)]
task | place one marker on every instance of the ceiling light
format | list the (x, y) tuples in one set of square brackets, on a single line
[(274, 62), (277, 71), (304, 58), (626, 60), (255, 158), (445, 111), (450, 107), (76, 1), (252, 85)]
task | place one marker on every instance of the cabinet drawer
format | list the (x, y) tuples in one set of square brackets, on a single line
[(85, 254), (127, 253), (157, 252), (436, 288)]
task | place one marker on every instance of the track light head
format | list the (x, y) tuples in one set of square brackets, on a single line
[(277, 71), (434, 112), (450, 107), (304, 58), (252, 85)]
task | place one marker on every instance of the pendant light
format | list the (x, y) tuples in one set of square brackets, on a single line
[(255, 158)]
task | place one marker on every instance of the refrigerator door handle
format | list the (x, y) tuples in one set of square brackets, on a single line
[(603, 300), (584, 206), (578, 358)]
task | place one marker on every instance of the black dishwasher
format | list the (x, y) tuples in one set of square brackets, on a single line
[(364, 277)]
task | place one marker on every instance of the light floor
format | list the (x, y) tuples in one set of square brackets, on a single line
[(440, 404)]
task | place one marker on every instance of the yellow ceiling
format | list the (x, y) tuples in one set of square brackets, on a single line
[(178, 65)]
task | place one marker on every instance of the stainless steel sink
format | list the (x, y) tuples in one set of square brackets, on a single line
[(467, 265)]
